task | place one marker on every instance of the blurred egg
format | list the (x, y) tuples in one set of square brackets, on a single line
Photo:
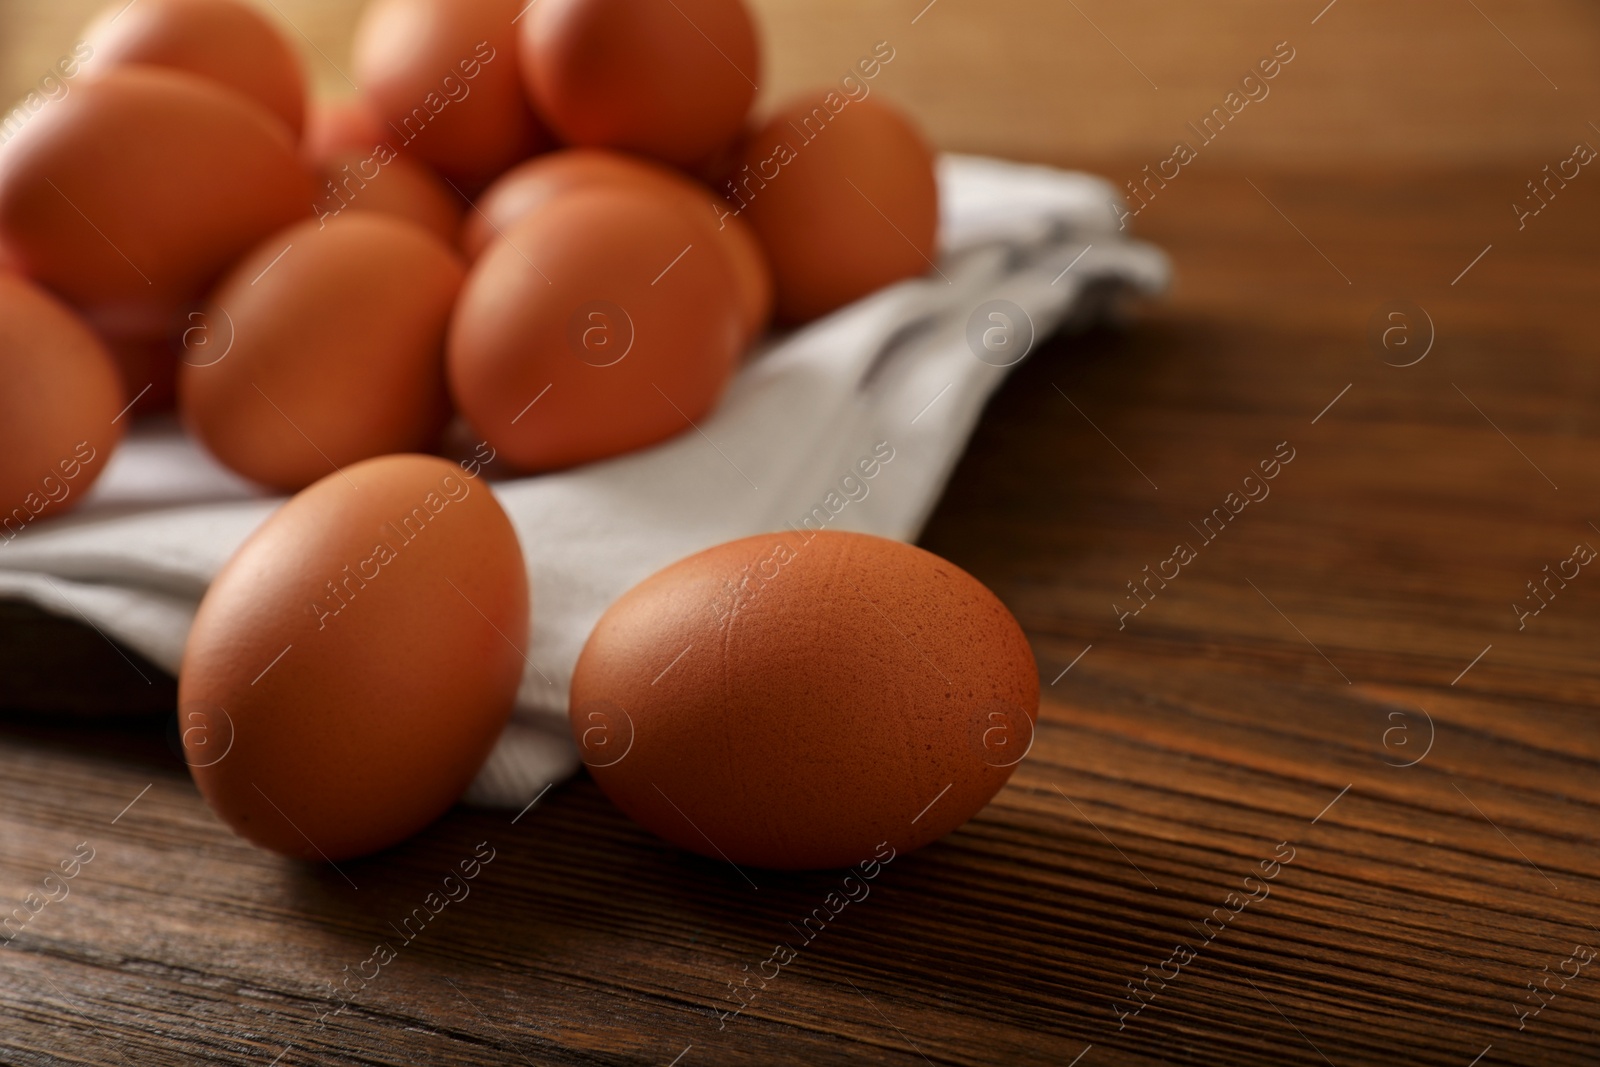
[(672, 79), (752, 276), (530, 185), (132, 193), (344, 125), (322, 347), (352, 665), (379, 180), (600, 324), (443, 75), (224, 41), (841, 195), (535, 182), (795, 699), (60, 406)]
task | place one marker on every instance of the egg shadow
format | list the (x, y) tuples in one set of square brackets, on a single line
[(55, 666), (1014, 511)]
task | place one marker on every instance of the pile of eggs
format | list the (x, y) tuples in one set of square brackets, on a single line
[(551, 229)]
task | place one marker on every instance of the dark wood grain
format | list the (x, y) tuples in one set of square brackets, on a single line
[(1266, 696)]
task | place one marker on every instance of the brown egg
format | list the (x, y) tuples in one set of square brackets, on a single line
[(672, 79), (352, 665), (223, 41), (610, 302), (379, 180), (324, 346), (795, 699), (528, 186), (60, 406), (344, 125), (752, 275), (443, 74), (841, 194), (132, 193)]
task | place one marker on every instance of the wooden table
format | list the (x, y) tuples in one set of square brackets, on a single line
[(1338, 677)]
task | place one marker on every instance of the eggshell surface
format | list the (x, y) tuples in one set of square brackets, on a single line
[(599, 325), (346, 124), (225, 41), (390, 184), (793, 700), (322, 347), (59, 406), (670, 79), (351, 666), (442, 74), (529, 186), (842, 196), (134, 192)]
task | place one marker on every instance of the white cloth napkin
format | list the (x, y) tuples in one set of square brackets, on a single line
[(894, 375)]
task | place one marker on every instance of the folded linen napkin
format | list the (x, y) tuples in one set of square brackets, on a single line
[(898, 378)]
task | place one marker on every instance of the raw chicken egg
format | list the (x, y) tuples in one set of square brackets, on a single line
[(443, 75), (796, 699), (600, 324), (377, 179), (352, 665), (225, 41), (841, 195), (672, 79), (342, 125), (752, 276), (60, 409), (322, 347), (134, 192), (529, 186)]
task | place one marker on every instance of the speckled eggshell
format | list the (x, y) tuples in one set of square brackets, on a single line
[(354, 662), (792, 700)]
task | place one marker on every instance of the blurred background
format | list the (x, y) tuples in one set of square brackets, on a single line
[(1420, 84)]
